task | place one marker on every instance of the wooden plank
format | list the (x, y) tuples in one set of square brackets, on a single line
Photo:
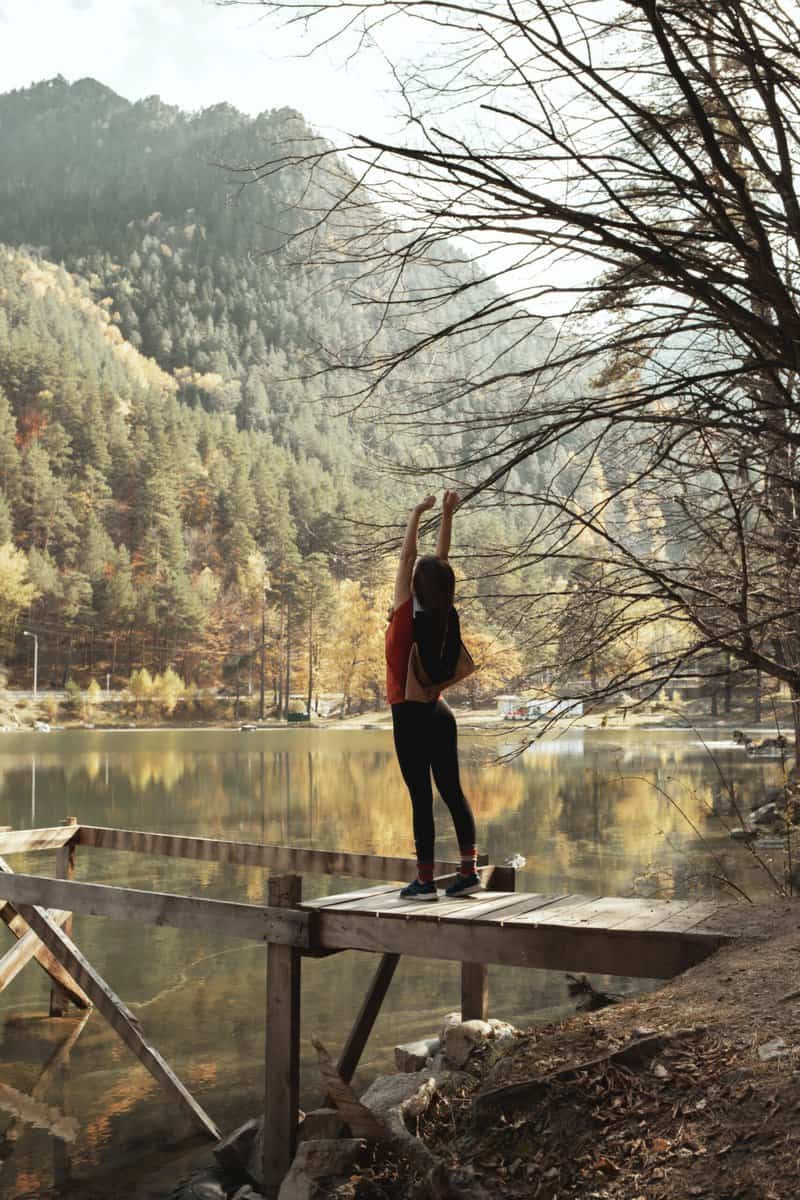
[(257, 854), (367, 1015), (553, 913), (115, 1012), (524, 904), (365, 893), (474, 991), (20, 841), (21, 954), (596, 913), (561, 948), (161, 908), (348, 897), (65, 869), (652, 914), (282, 1065), (688, 919)]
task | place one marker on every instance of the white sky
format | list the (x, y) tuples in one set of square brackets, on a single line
[(192, 54)]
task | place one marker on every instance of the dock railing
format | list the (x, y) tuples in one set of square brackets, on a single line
[(37, 909)]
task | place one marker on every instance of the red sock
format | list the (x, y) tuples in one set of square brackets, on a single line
[(425, 872), (469, 860)]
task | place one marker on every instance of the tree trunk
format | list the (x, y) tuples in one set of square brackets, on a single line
[(310, 658), (757, 700), (288, 687)]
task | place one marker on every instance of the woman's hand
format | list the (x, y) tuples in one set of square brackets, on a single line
[(425, 504), (450, 502)]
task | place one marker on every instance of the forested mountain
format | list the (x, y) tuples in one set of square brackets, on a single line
[(164, 433)]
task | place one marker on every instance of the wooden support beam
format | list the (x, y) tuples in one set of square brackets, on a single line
[(26, 948), (282, 1052), (256, 854), (474, 991), (65, 869), (18, 841), (475, 975), (162, 908), (354, 1046), (648, 955), (17, 925), (115, 1012)]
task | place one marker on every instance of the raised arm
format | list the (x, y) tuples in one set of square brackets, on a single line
[(408, 552), (449, 506)]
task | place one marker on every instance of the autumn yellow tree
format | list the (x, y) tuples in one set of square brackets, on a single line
[(353, 660), (16, 590)]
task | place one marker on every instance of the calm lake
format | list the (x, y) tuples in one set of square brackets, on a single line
[(592, 812)]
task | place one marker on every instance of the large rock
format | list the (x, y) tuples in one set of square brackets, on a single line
[(461, 1040), (413, 1056), (322, 1124), (409, 1095), (316, 1161)]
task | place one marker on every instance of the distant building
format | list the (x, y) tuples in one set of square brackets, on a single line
[(517, 708)]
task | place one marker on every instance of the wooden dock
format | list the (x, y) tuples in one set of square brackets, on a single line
[(608, 935)]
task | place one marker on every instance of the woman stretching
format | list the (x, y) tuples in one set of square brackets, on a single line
[(425, 735)]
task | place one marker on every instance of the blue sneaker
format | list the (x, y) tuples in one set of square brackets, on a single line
[(464, 885), (420, 891)]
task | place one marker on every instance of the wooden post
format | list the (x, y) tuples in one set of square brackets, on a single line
[(282, 1050), (65, 869), (367, 1016), (475, 976)]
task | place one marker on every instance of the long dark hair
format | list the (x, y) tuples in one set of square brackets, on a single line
[(436, 628)]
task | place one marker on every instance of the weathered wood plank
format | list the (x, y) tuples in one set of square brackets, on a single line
[(65, 869), (18, 841), (257, 854), (553, 913), (652, 914), (597, 913), (282, 1066), (367, 1015), (523, 904), (563, 948), (115, 1012), (21, 954), (688, 918), (348, 897), (161, 908)]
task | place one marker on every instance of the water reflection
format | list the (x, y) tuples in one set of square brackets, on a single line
[(593, 814)]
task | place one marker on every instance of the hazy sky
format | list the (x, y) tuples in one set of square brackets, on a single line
[(191, 53)]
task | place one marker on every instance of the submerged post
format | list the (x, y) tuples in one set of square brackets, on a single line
[(282, 1048), (65, 869)]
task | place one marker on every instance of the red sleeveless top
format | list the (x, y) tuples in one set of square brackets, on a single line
[(399, 640)]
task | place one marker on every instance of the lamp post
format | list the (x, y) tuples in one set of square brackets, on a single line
[(35, 660)]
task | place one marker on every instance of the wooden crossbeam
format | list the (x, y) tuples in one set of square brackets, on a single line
[(367, 1016), (257, 854), (640, 954), (287, 927), (17, 925), (20, 955), (18, 841), (109, 1004)]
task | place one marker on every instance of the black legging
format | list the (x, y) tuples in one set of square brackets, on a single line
[(426, 739)]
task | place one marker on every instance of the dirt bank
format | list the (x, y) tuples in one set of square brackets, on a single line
[(713, 1113)]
